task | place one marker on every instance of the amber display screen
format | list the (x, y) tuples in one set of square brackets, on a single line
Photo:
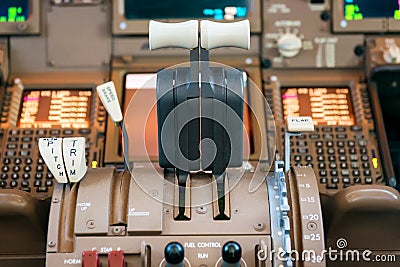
[(57, 108), (326, 106)]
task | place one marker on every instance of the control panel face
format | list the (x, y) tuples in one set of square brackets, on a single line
[(297, 34), (343, 148), (34, 112), (366, 16), (19, 17)]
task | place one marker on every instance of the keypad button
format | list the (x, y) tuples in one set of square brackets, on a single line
[(40, 168), (331, 158), (308, 158), (320, 151), (4, 176), (329, 144), (7, 161), (357, 180), (353, 157), (40, 161), (12, 146), (39, 175), (327, 136), (15, 176), (49, 183), (54, 132), (368, 180), (331, 151), (26, 139), (27, 132), (358, 136), (17, 161), (5, 168), (362, 143), (49, 175), (356, 128), (314, 136), (16, 168), (332, 186), (340, 144), (319, 144), (302, 150), (84, 131), (297, 158), (321, 158), (356, 172), (11, 153), (332, 165), (37, 183), (28, 161), (42, 189), (323, 180), (27, 168), (26, 176), (340, 129), (68, 132), (334, 173), (326, 129), (363, 151), (26, 146), (335, 180), (25, 183), (341, 136), (3, 184), (41, 132), (355, 165), (310, 165), (321, 165), (365, 165), (351, 143), (345, 172), (367, 172), (364, 158), (24, 153), (346, 180), (342, 151), (342, 158), (343, 165), (322, 172), (13, 183), (13, 132), (301, 143)]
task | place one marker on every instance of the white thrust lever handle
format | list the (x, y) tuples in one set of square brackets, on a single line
[(181, 35), (217, 34)]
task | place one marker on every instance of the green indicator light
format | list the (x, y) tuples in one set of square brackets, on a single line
[(12, 13), (358, 16), (19, 10), (3, 19), (397, 14)]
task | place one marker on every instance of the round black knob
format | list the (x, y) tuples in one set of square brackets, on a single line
[(174, 253), (359, 50), (325, 15), (231, 252)]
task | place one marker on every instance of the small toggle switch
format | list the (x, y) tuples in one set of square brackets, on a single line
[(116, 259), (90, 259)]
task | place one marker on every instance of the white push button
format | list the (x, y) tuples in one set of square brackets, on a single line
[(299, 124)]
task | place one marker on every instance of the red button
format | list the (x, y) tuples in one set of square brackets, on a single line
[(90, 259), (116, 259)]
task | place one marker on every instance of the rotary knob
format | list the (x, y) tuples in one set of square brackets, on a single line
[(231, 254), (174, 254), (289, 45)]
